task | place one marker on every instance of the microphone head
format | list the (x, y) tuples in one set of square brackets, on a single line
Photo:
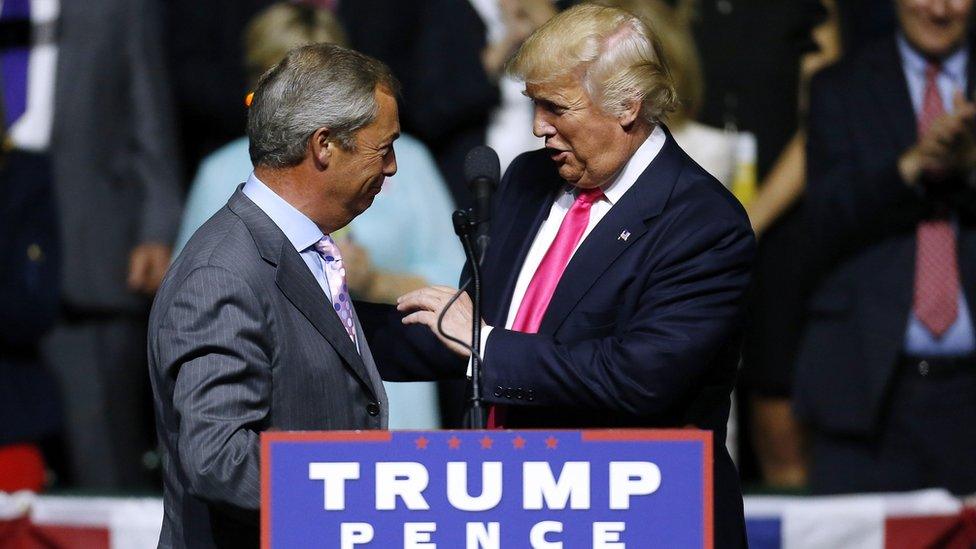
[(461, 222), (482, 163)]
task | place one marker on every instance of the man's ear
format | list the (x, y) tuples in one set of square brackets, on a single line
[(321, 146), (632, 108)]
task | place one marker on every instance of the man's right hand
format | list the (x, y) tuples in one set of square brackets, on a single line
[(948, 146)]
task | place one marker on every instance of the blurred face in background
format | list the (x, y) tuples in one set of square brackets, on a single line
[(582, 139), (935, 28)]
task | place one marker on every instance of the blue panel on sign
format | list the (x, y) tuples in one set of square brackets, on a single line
[(396, 489)]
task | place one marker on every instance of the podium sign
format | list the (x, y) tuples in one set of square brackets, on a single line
[(486, 489)]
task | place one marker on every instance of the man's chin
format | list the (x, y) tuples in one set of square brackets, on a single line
[(568, 172)]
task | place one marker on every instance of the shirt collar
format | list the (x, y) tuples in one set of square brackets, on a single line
[(953, 65), (301, 231)]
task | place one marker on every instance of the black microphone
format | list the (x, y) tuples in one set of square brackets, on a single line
[(482, 171), (462, 223)]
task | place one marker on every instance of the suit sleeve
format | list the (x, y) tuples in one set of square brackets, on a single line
[(217, 350), (405, 353), (688, 311), (848, 204), (155, 159)]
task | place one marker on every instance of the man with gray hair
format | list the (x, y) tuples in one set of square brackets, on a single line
[(615, 276), (253, 328)]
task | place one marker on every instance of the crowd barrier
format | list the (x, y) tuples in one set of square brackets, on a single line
[(930, 518)]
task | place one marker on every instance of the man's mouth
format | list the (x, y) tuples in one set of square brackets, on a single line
[(558, 155)]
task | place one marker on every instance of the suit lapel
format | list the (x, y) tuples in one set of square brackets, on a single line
[(644, 200), (297, 283), (891, 91)]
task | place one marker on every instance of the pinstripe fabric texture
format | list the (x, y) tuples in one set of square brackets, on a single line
[(242, 340)]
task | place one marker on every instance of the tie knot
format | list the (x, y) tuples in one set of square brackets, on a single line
[(328, 249), (589, 196), (932, 70)]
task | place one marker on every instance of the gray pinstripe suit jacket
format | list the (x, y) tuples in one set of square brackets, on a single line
[(241, 340)]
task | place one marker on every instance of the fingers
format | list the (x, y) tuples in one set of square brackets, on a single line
[(962, 108), (431, 298)]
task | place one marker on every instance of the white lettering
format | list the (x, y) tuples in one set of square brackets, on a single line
[(481, 536), (334, 477), (632, 478), (606, 535), (537, 537), (538, 484), (352, 534), (416, 535), (404, 479), (457, 486)]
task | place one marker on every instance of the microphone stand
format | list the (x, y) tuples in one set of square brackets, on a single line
[(474, 416)]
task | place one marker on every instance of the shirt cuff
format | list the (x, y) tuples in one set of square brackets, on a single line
[(485, 332)]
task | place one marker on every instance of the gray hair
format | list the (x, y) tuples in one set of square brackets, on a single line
[(314, 86)]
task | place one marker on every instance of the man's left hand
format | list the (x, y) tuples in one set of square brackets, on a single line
[(425, 305), (147, 266)]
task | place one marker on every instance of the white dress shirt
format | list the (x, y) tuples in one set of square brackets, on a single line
[(612, 192), (32, 130)]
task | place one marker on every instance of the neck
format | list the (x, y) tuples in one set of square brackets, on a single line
[(296, 186), (637, 135)]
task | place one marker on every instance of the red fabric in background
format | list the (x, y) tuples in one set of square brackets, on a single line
[(946, 532), (21, 468), (21, 534)]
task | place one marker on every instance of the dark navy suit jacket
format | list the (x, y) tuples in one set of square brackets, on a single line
[(642, 331), (861, 225)]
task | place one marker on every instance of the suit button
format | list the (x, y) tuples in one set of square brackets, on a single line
[(923, 368), (498, 392), (530, 395), (508, 392), (373, 409), (519, 393)]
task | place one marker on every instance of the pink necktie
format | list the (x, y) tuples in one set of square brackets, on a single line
[(936, 268), (547, 275), (335, 273)]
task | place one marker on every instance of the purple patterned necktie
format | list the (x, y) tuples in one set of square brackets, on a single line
[(335, 273), (13, 67)]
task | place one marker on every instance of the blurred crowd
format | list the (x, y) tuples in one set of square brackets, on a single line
[(845, 127)]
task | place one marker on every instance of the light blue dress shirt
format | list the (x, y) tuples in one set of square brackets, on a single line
[(407, 229), (301, 231), (959, 339)]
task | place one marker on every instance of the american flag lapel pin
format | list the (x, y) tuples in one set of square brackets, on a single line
[(624, 235)]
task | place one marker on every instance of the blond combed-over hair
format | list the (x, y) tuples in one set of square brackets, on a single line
[(616, 56)]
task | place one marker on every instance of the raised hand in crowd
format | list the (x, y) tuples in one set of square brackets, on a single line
[(948, 147)]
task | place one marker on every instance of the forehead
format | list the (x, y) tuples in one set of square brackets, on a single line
[(563, 88), (386, 124)]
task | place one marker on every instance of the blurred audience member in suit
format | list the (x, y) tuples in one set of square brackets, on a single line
[(886, 374), (403, 242), (98, 118)]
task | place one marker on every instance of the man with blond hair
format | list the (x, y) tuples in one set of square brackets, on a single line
[(617, 266)]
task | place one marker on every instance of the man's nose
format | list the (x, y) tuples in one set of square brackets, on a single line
[(390, 165), (540, 126)]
